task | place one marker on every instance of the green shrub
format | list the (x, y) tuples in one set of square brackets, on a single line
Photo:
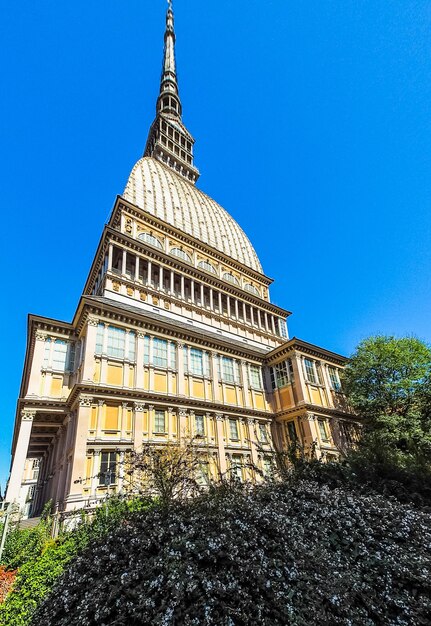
[(37, 576), (304, 552)]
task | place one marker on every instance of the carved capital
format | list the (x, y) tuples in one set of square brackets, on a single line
[(170, 409), (41, 335), (28, 415), (180, 345), (182, 411), (101, 403), (219, 417), (92, 321), (96, 452), (85, 401), (140, 334), (151, 407), (124, 405), (139, 406)]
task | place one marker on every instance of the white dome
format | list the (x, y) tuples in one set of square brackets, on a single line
[(154, 187)]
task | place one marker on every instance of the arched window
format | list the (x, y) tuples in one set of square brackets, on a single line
[(231, 278), (181, 254), (153, 241), (207, 267), (252, 289)]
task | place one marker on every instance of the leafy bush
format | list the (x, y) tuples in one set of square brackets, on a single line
[(302, 552), (37, 575)]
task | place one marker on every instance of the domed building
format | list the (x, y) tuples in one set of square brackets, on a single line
[(174, 338)]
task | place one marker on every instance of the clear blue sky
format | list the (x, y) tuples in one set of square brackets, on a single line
[(313, 128)]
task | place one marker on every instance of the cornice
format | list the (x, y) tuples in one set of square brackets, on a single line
[(98, 392), (316, 409), (294, 344), (143, 321)]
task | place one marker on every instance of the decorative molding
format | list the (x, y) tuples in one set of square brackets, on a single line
[(28, 415), (41, 336), (139, 406), (140, 335), (85, 401), (92, 321), (220, 417), (182, 411)]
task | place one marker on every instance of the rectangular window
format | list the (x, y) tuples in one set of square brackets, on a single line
[(228, 373), (323, 430), (47, 352), (99, 339), (108, 468), (236, 467), (319, 372), (207, 365), (233, 429), (282, 374), (160, 352), (334, 378), (159, 422), (70, 361), (263, 434), (199, 425), (146, 350), (59, 355), (196, 362), (309, 371), (236, 372), (173, 355), (132, 346), (291, 431), (116, 342), (254, 376)]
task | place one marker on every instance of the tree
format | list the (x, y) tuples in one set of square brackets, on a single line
[(170, 471), (387, 382)]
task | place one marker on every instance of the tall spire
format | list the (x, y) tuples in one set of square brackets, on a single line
[(168, 140)]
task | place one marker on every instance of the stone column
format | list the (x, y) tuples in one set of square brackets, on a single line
[(192, 291), (202, 295), (182, 287), (137, 260), (20, 456), (37, 363), (181, 388), (211, 299), (252, 315), (182, 413), (79, 457), (298, 377), (214, 375), (110, 254), (273, 324), (244, 376), (249, 425), (220, 303), (149, 272), (90, 349), (220, 443), (236, 309), (123, 420), (170, 428), (160, 278), (139, 374), (124, 262), (99, 419), (150, 420), (228, 305), (139, 426), (95, 473), (172, 282)]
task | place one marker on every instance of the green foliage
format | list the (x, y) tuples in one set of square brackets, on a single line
[(387, 382), (40, 571)]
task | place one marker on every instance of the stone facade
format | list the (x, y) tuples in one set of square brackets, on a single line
[(174, 335)]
